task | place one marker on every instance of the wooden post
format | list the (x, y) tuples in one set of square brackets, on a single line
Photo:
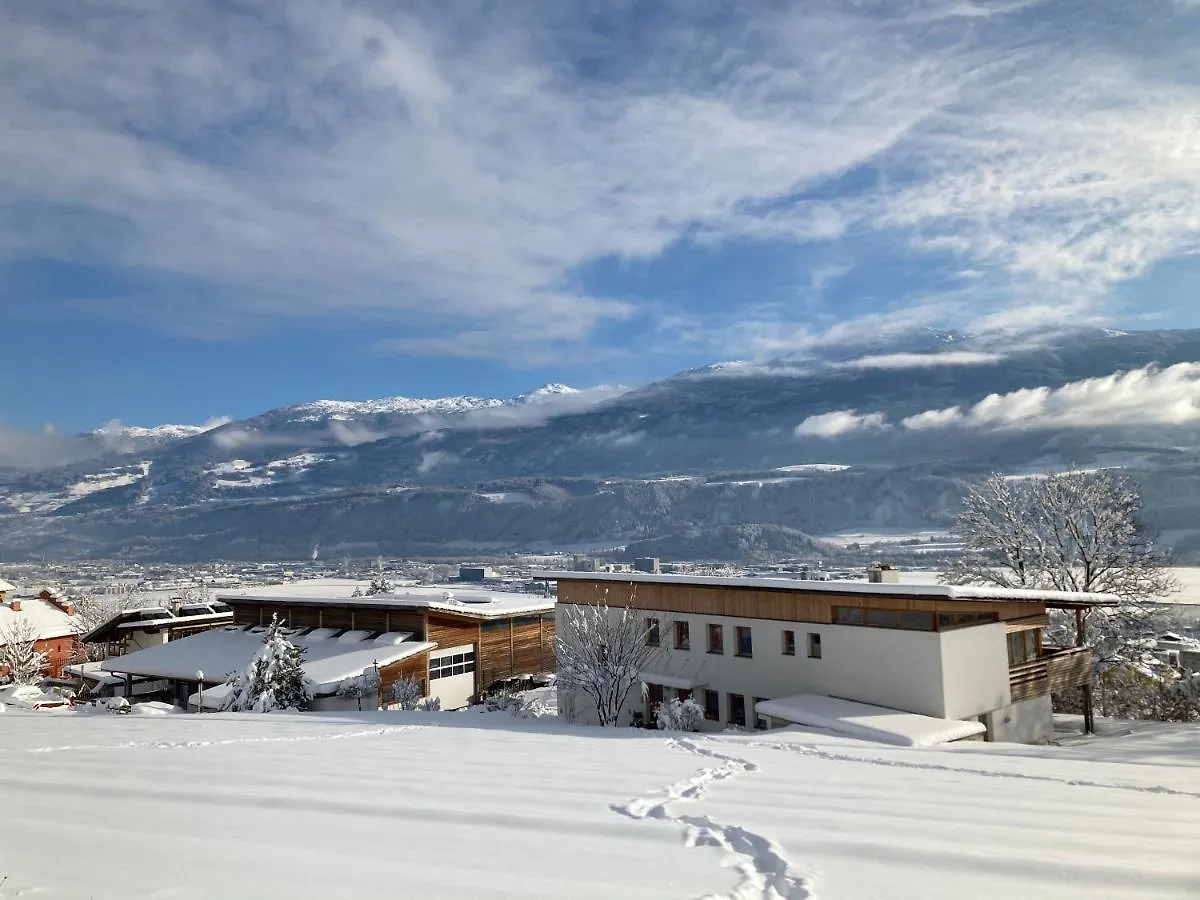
[(1079, 626)]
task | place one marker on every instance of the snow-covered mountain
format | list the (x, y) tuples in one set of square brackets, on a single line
[(118, 438), (698, 455)]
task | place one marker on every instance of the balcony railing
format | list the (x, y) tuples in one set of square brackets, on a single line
[(1057, 670)]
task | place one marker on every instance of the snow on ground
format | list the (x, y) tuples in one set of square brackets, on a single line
[(489, 805)]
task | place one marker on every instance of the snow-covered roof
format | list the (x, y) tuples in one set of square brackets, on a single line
[(453, 599), (872, 723), (5, 586), (917, 591), (223, 651), (48, 619), (132, 620)]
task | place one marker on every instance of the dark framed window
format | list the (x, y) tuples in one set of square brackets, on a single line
[(716, 639), (654, 697), (948, 621), (653, 633), (789, 643), (915, 620), (683, 694), (712, 706), (847, 615), (881, 618), (683, 636), (745, 640), (737, 710), (814, 645), (1023, 646)]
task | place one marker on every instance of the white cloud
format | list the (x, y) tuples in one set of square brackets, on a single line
[(432, 459), (841, 422), (446, 173), (921, 360), (1149, 396)]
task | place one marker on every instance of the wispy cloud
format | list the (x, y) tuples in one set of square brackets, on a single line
[(1149, 396), (446, 171), (921, 360)]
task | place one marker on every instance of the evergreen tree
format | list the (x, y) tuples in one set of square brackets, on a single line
[(274, 679)]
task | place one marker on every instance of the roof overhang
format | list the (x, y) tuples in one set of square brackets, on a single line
[(679, 682), (929, 592)]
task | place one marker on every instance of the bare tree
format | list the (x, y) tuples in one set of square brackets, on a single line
[(19, 654), (95, 607), (1073, 531), (1069, 531), (602, 653)]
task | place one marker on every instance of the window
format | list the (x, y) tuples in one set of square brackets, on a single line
[(712, 705), (451, 664), (683, 637), (737, 710), (760, 722), (683, 694), (654, 697), (847, 615), (881, 618), (653, 634), (716, 639), (745, 641), (916, 621), (947, 621), (789, 643), (814, 646), (1022, 646)]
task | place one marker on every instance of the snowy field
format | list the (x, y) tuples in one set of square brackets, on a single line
[(488, 805)]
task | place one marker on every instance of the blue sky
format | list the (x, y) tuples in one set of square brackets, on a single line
[(214, 208)]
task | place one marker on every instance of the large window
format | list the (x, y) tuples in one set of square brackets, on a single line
[(653, 633), (683, 636), (814, 645), (789, 643), (712, 706), (904, 619), (716, 639), (745, 641), (737, 710), (947, 621), (1023, 646)]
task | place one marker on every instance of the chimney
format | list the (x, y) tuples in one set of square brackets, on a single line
[(15, 604)]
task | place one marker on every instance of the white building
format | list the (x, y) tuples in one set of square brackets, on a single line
[(947, 653)]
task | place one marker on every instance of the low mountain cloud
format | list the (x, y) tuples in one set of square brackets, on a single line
[(839, 423), (901, 361), (1147, 396)]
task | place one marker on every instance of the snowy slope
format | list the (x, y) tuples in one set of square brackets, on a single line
[(472, 805)]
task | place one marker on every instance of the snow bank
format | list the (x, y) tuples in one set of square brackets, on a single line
[(872, 723)]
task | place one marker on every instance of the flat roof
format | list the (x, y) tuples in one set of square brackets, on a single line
[(472, 602), (1060, 599), (222, 652)]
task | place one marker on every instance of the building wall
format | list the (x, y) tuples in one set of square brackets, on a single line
[(953, 674), (974, 670)]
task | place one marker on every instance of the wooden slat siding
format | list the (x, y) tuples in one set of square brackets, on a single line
[(494, 660), (756, 603), (1068, 669), (245, 613), (527, 648), (1028, 680), (304, 616), (415, 668), (1026, 623), (335, 617), (447, 631), (370, 620)]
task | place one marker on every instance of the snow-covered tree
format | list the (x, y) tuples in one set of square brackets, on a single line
[(1075, 531), (20, 658), (274, 679), (406, 694), (360, 687), (1068, 531), (679, 715), (430, 704), (379, 585), (602, 652)]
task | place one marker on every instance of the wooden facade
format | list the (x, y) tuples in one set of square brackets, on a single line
[(506, 646), (782, 605)]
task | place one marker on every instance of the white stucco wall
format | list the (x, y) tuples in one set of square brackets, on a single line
[(140, 640), (974, 670), (952, 674)]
